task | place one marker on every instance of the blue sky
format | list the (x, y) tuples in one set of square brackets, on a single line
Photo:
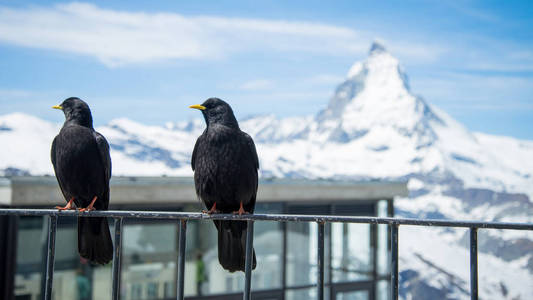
[(148, 61)]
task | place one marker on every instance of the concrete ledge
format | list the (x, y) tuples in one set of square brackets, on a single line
[(44, 190)]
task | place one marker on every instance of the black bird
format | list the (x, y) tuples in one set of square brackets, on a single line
[(82, 164), (225, 164)]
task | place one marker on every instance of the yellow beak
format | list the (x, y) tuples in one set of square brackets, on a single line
[(57, 107), (197, 106)]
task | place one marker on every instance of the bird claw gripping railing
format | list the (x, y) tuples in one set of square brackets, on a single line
[(183, 217)]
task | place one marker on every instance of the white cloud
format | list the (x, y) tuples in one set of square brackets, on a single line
[(117, 37), (326, 79), (10, 94), (258, 84), (453, 90), (470, 11), (508, 66)]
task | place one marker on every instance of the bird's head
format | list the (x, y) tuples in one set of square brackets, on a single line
[(76, 111), (217, 111)]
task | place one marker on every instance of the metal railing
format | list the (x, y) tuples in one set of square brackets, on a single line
[(183, 217)]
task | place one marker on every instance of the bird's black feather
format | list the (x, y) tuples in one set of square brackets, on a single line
[(82, 165), (225, 165)]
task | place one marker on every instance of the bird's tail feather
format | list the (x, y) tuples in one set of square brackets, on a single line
[(94, 240), (232, 245)]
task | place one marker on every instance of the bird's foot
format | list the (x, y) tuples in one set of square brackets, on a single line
[(241, 211), (213, 210), (66, 207), (90, 207), (86, 209)]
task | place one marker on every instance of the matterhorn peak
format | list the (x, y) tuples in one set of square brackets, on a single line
[(377, 47), (378, 59), (375, 95)]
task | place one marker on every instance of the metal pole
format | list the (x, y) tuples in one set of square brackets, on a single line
[(181, 260), (320, 262), (394, 261), (473, 264), (284, 257), (50, 256), (249, 260), (117, 255)]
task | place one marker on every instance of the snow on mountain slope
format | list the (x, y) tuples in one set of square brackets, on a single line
[(26, 142), (432, 261), (373, 127), (138, 149)]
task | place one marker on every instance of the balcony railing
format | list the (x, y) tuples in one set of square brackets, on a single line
[(183, 217)]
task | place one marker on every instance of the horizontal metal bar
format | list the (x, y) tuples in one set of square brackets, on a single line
[(266, 217)]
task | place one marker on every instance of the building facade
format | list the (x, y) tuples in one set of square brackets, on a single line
[(356, 254)]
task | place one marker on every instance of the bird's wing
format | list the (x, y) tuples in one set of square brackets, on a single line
[(53, 155), (193, 158), (103, 148), (251, 146), (195, 150)]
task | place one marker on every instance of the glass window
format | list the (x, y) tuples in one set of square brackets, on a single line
[(354, 295), (301, 253), (383, 290), (30, 242), (302, 243), (151, 291), (301, 294), (149, 254), (383, 240), (351, 254), (74, 277), (268, 240), (136, 291), (168, 289)]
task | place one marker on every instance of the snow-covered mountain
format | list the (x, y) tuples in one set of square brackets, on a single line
[(374, 127)]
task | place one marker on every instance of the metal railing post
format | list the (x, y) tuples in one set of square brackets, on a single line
[(320, 262), (50, 257), (249, 260), (473, 264), (394, 261), (181, 260), (117, 257)]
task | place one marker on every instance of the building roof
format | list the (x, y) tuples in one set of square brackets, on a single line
[(44, 190)]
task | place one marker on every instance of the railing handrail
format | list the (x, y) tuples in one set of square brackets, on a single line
[(183, 217), (269, 217)]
